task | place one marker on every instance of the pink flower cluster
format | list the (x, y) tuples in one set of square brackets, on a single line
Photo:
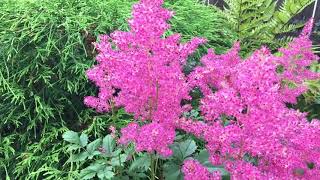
[(141, 70), (150, 137), (247, 125), (193, 170), (251, 95)]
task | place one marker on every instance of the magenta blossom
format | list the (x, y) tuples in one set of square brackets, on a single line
[(141, 70), (248, 127)]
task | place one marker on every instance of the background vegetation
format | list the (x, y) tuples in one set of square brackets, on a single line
[(45, 48)]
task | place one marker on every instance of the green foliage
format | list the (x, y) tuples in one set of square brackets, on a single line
[(181, 150), (103, 158), (310, 101), (260, 22), (187, 149), (45, 48), (194, 19), (203, 158), (100, 158)]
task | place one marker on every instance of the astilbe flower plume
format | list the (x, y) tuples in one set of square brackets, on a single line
[(248, 127), (141, 70), (193, 170)]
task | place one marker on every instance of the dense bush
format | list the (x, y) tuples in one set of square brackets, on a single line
[(45, 48)]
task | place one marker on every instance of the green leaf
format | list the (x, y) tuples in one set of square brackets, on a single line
[(116, 152), (222, 170), (141, 163), (71, 136), (203, 157), (96, 167), (118, 161), (72, 147), (78, 157), (184, 149), (87, 173), (108, 144), (103, 172), (172, 171), (121, 178), (94, 154), (138, 175), (93, 146), (83, 140), (100, 174)]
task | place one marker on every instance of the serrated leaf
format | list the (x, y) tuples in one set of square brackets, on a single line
[(83, 140), (100, 174), (105, 173), (91, 147), (72, 147), (203, 157), (87, 173), (118, 161), (72, 137), (172, 171), (108, 174), (96, 167), (141, 163), (138, 175), (94, 154), (184, 149), (108, 144), (78, 157), (116, 152)]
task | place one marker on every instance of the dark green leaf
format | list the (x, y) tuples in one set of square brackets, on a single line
[(184, 149), (172, 171), (203, 157)]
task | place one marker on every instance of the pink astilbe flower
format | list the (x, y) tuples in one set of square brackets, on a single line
[(247, 125), (251, 95), (150, 137), (294, 61), (141, 71), (193, 170)]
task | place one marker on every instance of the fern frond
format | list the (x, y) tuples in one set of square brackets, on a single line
[(260, 22)]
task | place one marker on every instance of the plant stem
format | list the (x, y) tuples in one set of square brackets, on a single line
[(152, 167), (120, 169), (156, 166)]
